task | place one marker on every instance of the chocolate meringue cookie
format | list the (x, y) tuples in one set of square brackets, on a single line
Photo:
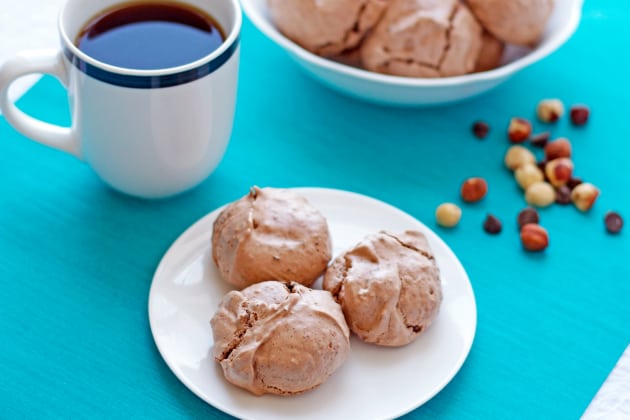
[(519, 22), (326, 27), (279, 338), (270, 234), (388, 286), (423, 38)]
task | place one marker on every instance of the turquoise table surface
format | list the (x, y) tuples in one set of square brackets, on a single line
[(77, 259)]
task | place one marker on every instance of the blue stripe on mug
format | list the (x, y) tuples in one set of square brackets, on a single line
[(151, 82)]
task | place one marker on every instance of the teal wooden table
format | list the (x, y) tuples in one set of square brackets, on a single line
[(77, 259)]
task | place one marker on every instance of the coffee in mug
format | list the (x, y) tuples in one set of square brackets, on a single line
[(151, 87)]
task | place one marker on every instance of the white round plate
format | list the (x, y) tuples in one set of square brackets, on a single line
[(375, 382)]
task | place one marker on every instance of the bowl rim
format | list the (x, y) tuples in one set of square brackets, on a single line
[(557, 39)]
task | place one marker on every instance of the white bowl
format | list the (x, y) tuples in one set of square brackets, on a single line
[(394, 90)]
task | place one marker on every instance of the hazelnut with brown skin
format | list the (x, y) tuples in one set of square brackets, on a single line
[(534, 237), (559, 171), (519, 130), (560, 148), (474, 189)]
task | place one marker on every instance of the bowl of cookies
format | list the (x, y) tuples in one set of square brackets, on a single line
[(415, 52)]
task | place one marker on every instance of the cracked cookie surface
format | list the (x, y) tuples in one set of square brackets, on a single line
[(279, 338), (326, 27), (423, 38), (270, 234), (520, 22), (388, 286)]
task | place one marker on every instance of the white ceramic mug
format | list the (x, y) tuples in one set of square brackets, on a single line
[(148, 133)]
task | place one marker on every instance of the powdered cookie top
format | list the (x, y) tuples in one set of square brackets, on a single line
[(388, 286), (270, 234)]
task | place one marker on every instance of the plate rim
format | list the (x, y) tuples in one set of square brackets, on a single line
[(455, 368)]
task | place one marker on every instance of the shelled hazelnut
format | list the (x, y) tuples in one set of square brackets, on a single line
[(519, 130), (549, 110), (527, 174), (517, 156), (559, 171), (540, 194), (448, 215), (559, 148), (584, 196)]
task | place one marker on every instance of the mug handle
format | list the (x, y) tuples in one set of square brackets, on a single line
[(34, 62)]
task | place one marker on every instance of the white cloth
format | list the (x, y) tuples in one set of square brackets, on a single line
[(612, 401)]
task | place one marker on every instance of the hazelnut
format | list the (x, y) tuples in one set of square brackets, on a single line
[(584, 196), (559, 171), (579, 114), (540, 194), (517, 156), (550, 110), (534, 237), (474, 189), (448, 214), (519, 130), (560, 148), (527, 174)]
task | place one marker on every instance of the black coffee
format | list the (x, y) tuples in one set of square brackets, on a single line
[(150, 35)]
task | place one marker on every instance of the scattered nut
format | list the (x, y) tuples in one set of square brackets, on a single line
[(527, 174), (480, 129), (492, 225), (613, 222), (560, 148), (527, 215), (584, 196), (540, 140), (517, 156), (550, 110), (474, 189), (563, 195), (579, 114), (448, 215), (559, 171), (540, 194), (534, 237), (574, 182), (519, 130)]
